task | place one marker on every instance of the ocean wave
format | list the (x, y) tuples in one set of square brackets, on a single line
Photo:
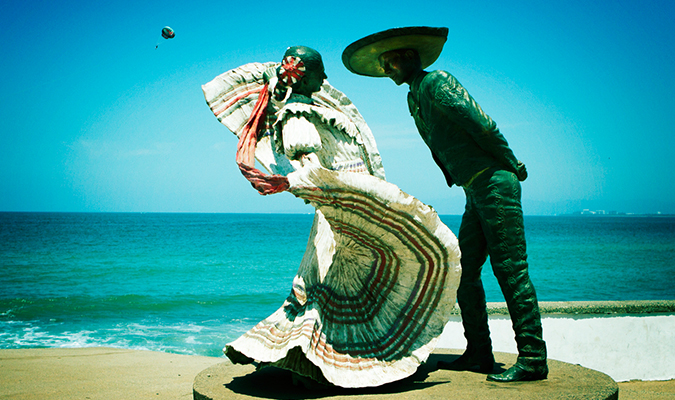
[(185, 324), (179, 338)]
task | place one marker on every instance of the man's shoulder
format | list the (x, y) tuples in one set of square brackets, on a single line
[(438, 85), (438, 76), (437, 80)]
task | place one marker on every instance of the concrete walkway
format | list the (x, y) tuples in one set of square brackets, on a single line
[(98, 373)]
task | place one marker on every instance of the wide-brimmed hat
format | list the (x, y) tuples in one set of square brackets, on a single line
[(361, 57)]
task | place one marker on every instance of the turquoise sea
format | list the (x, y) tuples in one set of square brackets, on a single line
[(190, 283)]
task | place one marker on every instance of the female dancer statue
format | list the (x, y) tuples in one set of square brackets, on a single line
[(378, 279)]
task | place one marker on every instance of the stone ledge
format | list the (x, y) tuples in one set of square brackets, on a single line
[(568, 381), (592, 307)]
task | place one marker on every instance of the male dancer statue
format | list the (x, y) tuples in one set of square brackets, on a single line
[(472, 153)]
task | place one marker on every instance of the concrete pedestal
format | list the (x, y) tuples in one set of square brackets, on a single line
[(565, 381)]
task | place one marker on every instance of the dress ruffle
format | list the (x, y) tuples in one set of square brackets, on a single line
[(323, 115), (385, 297)]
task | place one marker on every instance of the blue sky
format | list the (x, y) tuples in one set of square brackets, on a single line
[(94, 118)]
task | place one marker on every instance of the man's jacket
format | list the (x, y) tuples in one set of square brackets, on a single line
[(464, 140)]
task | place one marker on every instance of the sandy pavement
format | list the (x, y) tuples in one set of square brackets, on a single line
[(109, 374)]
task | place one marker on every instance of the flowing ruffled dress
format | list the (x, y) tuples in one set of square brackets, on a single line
[(378, 280)]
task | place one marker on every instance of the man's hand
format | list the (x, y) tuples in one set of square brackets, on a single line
[(265, 184), (521, 171)]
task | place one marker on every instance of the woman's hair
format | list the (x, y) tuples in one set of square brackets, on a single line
[(297, 60), (310, 57)]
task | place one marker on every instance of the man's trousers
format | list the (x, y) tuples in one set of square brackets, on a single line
[(492, 226)]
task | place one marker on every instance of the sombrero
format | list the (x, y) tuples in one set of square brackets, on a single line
[(361, 57)]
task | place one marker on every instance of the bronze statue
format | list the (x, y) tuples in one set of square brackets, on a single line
[(472, 153)]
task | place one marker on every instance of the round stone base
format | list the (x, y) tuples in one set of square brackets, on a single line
[(565, 381)]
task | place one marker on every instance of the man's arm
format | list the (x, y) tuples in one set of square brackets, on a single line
[(448, 178)]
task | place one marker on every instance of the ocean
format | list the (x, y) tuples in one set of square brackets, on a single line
[(190, 283)]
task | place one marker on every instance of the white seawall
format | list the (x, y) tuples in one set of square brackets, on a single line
[(625, 343)]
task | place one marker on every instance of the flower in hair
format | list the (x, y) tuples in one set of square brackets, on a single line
[(292, 70)]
